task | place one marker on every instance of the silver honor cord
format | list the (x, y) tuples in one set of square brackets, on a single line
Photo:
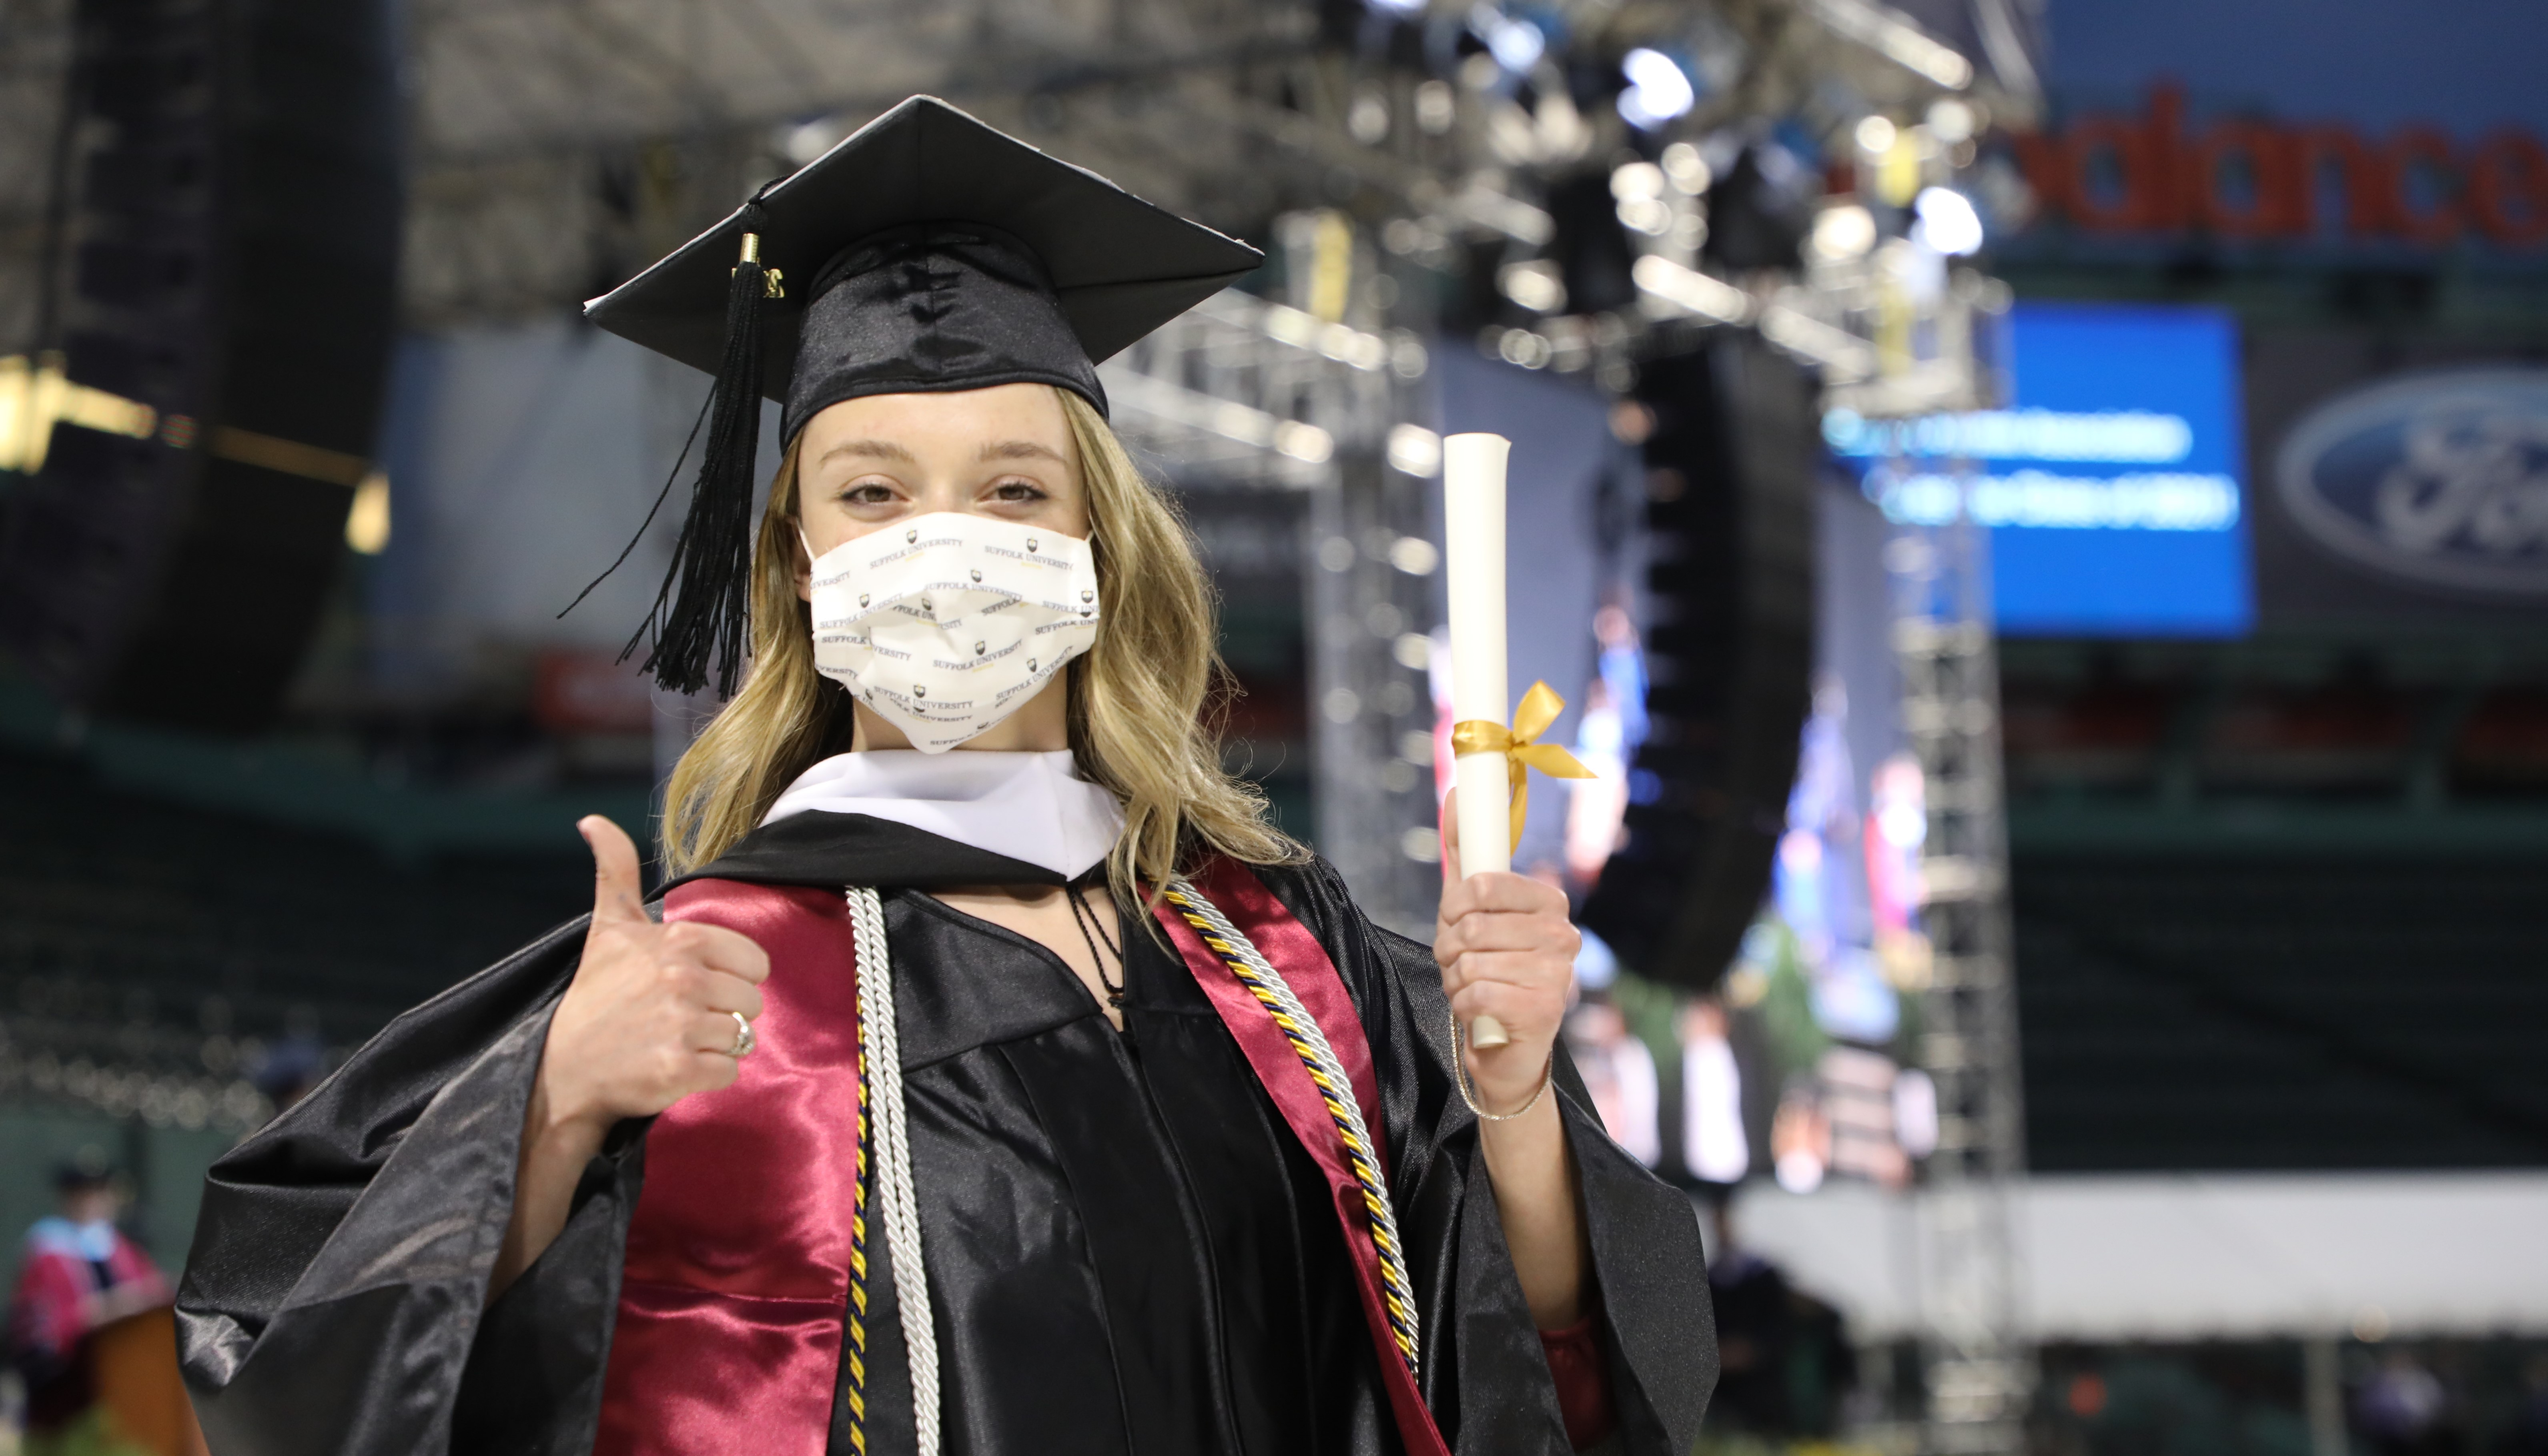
[(897, 1206)]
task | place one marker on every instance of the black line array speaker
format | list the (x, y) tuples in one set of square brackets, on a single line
[(1730, 465), (229, 253)]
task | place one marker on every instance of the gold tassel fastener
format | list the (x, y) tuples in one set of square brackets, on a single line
[(773, 281)]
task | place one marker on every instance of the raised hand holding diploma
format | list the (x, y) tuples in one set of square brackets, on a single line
[(1503, 941)]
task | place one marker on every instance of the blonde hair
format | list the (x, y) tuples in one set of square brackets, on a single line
[(1137, 698)]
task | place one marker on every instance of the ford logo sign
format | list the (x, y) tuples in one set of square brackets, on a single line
[(2436, 478)]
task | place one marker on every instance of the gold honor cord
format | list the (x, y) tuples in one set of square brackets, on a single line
[(859, 1275), (1284, 1006), (1521, 752)]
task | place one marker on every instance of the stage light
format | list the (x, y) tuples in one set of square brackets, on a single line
[(1948, 221), (1517, 45), (1535, 285), (1416, 451), (1843, 233), (1520, 346), (367, 523), (1637, 182), (1368, 119), (1875, 135), (1688, 169), (1950, 121), (808, 141), (1697, 292), (1658, 89), (1303, 442), (1651, 219), (34, 399), (1564, 135), (1436, 107), (1638, 188)]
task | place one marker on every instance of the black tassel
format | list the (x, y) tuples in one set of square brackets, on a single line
[(702, 615)]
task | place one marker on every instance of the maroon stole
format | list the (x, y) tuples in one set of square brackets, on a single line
[(728, 1341), (1288, 944), (731, 1308)]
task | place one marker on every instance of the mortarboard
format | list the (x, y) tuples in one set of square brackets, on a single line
[(927, 251)]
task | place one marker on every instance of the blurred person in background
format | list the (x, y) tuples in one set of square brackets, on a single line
[(1619, 1073), (991, 1078), (289, 1068), (2527, 1433), (1786, 1363), (77, 1275), (1714, 1146), (2403, 1409), (1618, 1067)]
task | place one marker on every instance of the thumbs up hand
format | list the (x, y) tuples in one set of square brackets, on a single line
[(650, 1016)]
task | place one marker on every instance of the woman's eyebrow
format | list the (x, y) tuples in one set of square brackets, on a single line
[(1020, 450), (873, 449)]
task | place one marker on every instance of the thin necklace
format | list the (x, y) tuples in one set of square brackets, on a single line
[(1085, 916)]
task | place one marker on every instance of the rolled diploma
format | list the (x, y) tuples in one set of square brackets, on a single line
[(1473, 539)]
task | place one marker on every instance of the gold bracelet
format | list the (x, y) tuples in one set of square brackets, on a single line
[(1468, 1095)]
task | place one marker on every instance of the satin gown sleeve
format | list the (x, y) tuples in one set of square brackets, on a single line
[(333, 1302), (1485, 1371)]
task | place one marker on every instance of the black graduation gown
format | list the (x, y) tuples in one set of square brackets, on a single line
[(1128, 1250)]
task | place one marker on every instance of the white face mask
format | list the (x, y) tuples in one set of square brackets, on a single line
[(946, 623)]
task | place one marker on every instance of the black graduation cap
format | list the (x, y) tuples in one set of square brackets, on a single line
[(87, 1168), (926, 251)]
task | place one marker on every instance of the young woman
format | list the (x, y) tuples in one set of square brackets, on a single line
[(992, 1078)]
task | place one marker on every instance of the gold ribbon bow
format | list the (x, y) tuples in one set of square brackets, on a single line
[(1539, 708)]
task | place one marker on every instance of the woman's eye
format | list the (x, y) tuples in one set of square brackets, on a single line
[(1017, 490), (866, 494)]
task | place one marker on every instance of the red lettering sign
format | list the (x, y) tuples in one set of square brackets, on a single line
[(2251, 179)]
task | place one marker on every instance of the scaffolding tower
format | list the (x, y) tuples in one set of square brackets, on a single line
[(1243, 392), (1981, 1371)]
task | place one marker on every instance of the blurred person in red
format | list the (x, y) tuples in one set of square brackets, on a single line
[(79, 1274)]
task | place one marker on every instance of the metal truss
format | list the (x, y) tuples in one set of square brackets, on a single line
[(1981, 1373), (1241, 393), (557, 144)]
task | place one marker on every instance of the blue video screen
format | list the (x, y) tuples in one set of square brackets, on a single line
[(2111, 481)]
